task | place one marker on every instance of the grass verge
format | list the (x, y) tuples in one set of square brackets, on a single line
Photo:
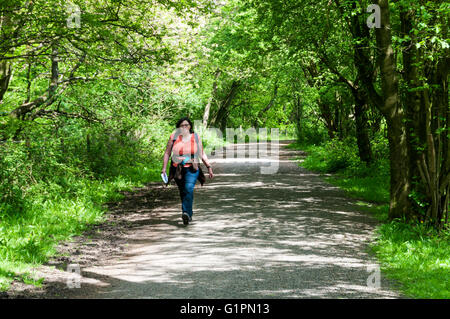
[(53, 213)]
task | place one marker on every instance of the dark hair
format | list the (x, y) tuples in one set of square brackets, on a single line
[(191, 130)]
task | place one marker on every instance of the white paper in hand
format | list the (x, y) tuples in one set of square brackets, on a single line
[(164, 178)]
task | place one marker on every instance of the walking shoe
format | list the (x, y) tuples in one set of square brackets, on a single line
[(186, 218)]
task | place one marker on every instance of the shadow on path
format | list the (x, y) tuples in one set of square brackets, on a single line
[(282, 235)]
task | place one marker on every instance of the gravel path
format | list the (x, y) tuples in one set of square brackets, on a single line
[(282, 235)]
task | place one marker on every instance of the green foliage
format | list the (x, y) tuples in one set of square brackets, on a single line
[(12, 177), (311, 133), (380, 146), (106, 131), (53, 186), (131, 71), (367, 182), (332, 156)]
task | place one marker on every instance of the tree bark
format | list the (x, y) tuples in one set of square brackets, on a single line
[(362, 128), (5, 66), (5, 77), (414, 104), (400, 185)]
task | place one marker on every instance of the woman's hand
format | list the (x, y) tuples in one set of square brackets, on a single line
[(210, 172)]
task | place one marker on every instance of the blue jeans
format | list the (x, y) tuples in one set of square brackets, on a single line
[(186, 187)]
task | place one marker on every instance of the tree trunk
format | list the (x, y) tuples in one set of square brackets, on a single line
[(5, 66), (391, 108), (440, 101), (362, 129), (400, 186), (413, 100), (427, 111), (5, 77), (211, 98), (327, 116), (222, 113)]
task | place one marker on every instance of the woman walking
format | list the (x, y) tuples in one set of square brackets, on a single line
[(187, 150)]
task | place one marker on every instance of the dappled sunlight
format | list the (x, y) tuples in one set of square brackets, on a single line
[(282, 235)]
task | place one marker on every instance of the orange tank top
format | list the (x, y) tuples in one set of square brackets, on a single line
[(181, 147)]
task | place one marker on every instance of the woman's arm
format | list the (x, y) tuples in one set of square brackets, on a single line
[(167, 154), (202, 153), (205, 159)]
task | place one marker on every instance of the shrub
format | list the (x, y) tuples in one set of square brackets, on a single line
[(340, 154)]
